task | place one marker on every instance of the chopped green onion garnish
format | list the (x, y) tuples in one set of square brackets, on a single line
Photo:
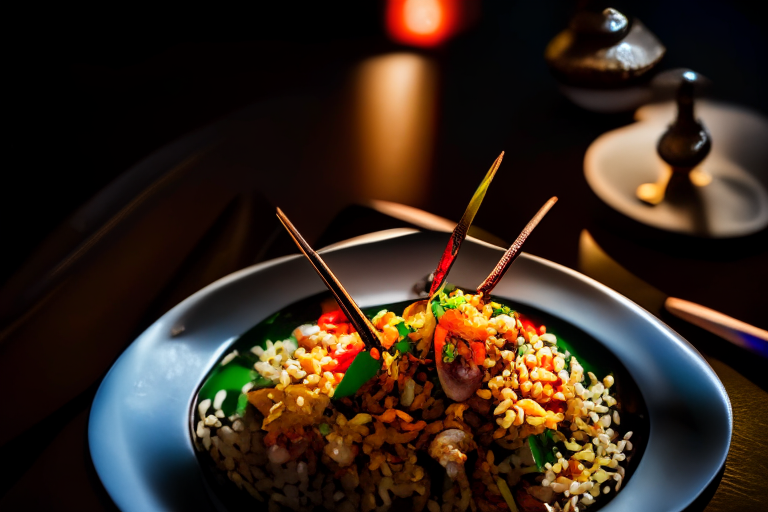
[(449, 353), (437, 310)]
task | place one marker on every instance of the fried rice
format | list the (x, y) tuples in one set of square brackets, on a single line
[(540, 433)]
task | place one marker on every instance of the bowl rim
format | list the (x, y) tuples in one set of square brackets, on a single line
[(121, 459)]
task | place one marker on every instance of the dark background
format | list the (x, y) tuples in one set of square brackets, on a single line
[(94, 90)]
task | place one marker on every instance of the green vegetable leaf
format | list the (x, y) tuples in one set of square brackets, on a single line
[(403, 330), (444, 302), (231, 378), (543, 448), (403, 346), (362, 369), (325, 429), (453, 302), (242, 403)]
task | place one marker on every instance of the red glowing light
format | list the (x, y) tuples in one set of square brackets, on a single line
[(423, 23)]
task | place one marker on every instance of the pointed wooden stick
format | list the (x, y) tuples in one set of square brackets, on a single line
[(513, 252), (460, 231), (364, 327)]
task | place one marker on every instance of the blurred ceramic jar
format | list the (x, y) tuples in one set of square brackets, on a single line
[(604, 61)]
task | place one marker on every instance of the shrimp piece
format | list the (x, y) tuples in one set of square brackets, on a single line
[(450, 448), (464, 327)]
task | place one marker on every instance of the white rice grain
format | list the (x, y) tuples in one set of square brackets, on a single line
[(203, 407), (207, 438), (221, 395), (229, 357)]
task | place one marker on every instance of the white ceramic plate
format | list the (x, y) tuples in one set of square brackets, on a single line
[(139, 425), (734, 204)]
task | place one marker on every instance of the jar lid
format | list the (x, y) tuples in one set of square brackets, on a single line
[(603, 49)]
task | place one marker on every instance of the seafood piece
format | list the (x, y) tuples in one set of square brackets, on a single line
[(419, 317), (460, 334), (450, 448), (460, 362)]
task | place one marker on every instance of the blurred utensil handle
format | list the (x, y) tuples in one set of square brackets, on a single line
[(737, 332)]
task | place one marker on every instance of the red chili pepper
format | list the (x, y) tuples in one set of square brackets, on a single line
[(333, 317), (345, 356), (529, 326), (335, 322), (343, 367)]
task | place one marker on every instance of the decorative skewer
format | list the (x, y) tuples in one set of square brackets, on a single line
[(460, 231), (368, 333), (366, 364), (460, 378), (513, 252)]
